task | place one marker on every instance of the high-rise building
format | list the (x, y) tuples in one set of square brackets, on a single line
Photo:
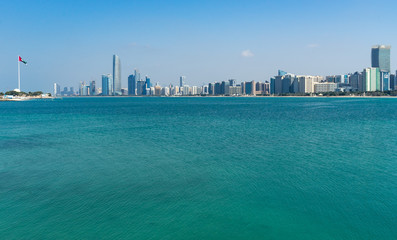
[(186, 90), (272, 85), (137, 75), (204, 90), (81, 87), (182, 81), (393, 83), (266, 88), (131, 85), (278, 84), (176, 90), (140, 88), (217, 88), (107, 85), (157, 90), (148, 85), (116, 75), (371, 79), (195, 90), (92, 88), (211, 89), (336, 78), (250, 88), (57, 89), (224, 88), (165, 91), (384, 81), (287, 83), (242, 88), (356, 82), (306, 83), (380, 56), (84, 89), (345, 78), (235, 91)]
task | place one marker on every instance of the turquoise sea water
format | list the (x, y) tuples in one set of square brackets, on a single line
[(198, 168)]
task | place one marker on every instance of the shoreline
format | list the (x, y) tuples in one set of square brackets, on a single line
[(224, 97), (18, 99), (247, 96)]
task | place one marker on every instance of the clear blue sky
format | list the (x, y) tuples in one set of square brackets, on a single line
[(72, 41)]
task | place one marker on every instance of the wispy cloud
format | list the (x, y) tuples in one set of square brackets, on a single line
[(313, 45), (138, 45), (247, 53)]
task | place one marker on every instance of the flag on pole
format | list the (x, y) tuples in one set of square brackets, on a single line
[(21, 60)]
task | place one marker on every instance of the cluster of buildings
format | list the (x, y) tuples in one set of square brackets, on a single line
[(378, 77), (65, 92)]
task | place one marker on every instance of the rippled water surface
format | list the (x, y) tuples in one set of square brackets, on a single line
[(198, 168)]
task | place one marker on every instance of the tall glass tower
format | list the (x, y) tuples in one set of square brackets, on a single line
[(116, 75), (182, 81), (380, 56), (137, 75), (107, 85), (131, 85)]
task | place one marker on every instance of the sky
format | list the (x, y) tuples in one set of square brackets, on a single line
[(209, 40)]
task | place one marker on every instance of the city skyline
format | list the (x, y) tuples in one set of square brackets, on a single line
[(376, 78), (197, 39)]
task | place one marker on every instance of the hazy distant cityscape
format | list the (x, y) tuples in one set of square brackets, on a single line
[(377, 78)]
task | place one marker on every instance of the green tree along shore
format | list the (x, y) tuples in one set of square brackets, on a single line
[(28, 94)]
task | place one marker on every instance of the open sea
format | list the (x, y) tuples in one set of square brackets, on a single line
[(199, 168)]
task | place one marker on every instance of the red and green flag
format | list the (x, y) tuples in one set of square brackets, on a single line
[(21, 60)]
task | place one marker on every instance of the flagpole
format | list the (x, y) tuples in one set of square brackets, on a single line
[(19, 75)]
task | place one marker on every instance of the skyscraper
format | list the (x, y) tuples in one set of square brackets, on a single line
[(250, 88), (148, 84), (140, 87), (137, 75), (182, 81), (131, 85), (356, 81), (92, 88), (371, 79), (384, 81), (393, 82), (146, 88), (380, 56), (107, 85), (57, 89), (116, 75), (225, 88), (211, 88)]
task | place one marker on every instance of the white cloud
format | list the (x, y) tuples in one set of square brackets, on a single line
[(313, 45), (247, 53)]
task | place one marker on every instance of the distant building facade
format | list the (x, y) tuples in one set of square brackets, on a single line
[(371, 79), (107, 85), (380, 56), (116, 75), (57, 89)]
